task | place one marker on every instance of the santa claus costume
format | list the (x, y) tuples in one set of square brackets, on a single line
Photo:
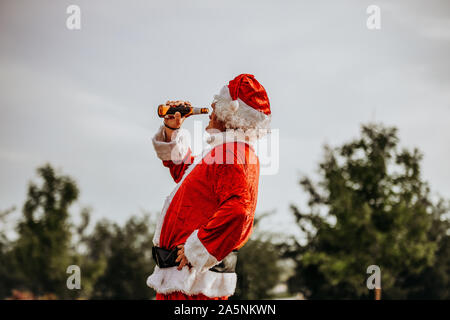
[(211, 209)]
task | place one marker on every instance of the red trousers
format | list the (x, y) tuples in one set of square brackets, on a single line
[(181, 296)]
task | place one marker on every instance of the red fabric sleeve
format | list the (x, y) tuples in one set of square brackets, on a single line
[(236, 186), (177, 169)]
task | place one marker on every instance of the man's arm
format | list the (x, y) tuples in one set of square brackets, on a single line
[(172, 146)]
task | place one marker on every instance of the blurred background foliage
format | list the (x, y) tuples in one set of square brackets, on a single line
[(369, 206), (115, 260)]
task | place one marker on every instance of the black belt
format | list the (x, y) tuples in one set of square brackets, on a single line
[(166, 258)]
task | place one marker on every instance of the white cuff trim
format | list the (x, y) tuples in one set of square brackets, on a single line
[(197, 254), (174, 150)]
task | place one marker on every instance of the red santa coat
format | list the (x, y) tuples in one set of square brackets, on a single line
[(211, 211)]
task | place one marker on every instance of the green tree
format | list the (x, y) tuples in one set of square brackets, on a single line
[(370, 207), (41, 254), (8, 274), (434, 281), (114, 261), (124, 257)]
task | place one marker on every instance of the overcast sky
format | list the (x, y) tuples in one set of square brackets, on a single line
[(85, 100)]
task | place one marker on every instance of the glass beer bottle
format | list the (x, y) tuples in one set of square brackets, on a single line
[(184, 110)]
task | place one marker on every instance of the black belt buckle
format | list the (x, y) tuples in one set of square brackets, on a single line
[(165, 258)]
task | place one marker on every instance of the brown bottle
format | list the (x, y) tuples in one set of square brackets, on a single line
[(184, 110)]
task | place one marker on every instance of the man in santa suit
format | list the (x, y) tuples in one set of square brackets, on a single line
[(209, 214)]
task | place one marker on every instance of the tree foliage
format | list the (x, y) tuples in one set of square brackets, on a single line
[(370, 207), (115, 260), (125, 254), (257, 268), (41, 254)]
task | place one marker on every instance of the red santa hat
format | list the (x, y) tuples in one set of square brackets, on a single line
[(243, 104)]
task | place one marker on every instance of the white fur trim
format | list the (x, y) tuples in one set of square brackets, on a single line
[(242, 117), (230, 135), (192, 281), (174, 150), (197, 254)]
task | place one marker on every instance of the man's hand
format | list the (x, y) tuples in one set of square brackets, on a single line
[(174, 121), (182, 258)]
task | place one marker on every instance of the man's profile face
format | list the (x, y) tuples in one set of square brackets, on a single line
[(214, 123)]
